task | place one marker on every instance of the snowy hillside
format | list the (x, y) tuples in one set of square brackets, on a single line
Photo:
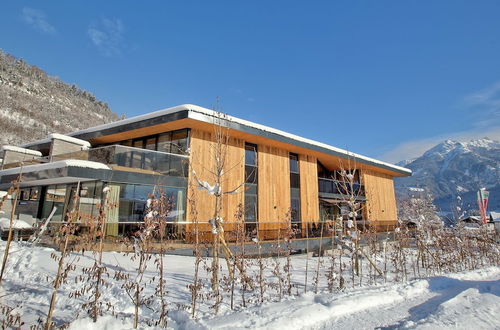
[(34, 105), (452, 169)]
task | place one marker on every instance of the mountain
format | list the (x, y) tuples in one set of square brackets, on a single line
[(454, 169), (34, 104)]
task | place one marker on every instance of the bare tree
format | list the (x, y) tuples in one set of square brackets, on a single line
[(134, 284), (14, 189), (221, 167), (349, 188), (159, 207), (196, 285), (66, 231)]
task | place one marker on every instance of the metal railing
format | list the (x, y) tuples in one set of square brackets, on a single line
[(186, 232), (331, 186)]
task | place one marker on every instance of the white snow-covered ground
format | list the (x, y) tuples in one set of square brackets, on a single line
[(469, 300), (466, 300)]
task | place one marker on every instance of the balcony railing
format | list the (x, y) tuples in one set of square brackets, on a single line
[(330, 186), (160, 162)]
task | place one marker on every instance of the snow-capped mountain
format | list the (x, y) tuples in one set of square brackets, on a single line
[(34, 104), (454, 168)]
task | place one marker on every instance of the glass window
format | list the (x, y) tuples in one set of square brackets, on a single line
[(127, 191), (133, 201), (126, 203), (294, 188), (54, 197), (151, 143), (179, 142), (34, 194), (24, 194), (136, 161), (294, 163), (125, 210), (164, 142), (86, 199), (295, 209), (141, 195), (251, 174), (251, 189), (138, 144), (251, 183), (141, 192), (150, 160), (294, 180), (250, 154), (250, 207)]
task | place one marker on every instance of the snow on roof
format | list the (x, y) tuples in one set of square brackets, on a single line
[(16, 224), (22, 150), (154, 114), (471, 218), (298, 138), (194, 110), (198, 113), (70, 139), (58, 164)]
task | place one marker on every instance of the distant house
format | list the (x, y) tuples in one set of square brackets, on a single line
[(472, 219), (289, 181), (495, 218)]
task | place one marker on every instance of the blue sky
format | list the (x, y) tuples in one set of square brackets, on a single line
[(383, 78)]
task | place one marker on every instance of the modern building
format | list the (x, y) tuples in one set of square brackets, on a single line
[(285, 179)]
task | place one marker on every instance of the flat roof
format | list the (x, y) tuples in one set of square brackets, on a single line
[(210, 116)]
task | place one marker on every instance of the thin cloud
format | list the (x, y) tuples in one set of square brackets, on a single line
[(107, 36), (486, 103), (484, 108), (414, 149), (38, 20)]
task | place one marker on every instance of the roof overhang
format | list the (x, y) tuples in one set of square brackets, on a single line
[(188, 113)]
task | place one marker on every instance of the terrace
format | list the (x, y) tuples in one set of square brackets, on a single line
[(335, 188), (119, 157)]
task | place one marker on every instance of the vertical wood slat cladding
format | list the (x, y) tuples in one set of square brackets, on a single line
[(381, 199), (309, 199), (274, 187), (202, 160)]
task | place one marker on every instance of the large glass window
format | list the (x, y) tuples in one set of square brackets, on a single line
[(294, 188), (133, 202), (179, 142), (174, 142), (55, 196), (251, 183), (90, 199)]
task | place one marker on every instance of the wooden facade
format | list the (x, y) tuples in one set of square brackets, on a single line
[(274, 199), (202, 162), (381, 208), (309, 196), (273, 190)]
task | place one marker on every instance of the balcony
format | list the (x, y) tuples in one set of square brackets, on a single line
[(330, 186), (117, 156)]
